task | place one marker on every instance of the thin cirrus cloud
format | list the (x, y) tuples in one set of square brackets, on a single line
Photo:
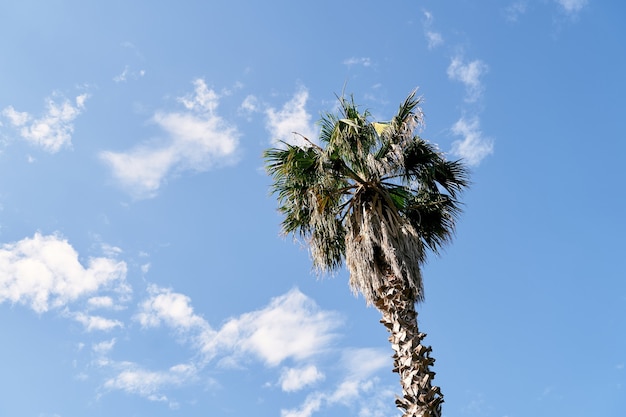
[(53, 130), (197, 140)]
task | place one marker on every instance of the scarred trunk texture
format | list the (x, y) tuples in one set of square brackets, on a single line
[(412, 360)]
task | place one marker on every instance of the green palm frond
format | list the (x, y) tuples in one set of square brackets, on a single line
[(372, 194)]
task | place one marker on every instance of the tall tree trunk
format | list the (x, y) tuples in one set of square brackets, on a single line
[(411, 359)]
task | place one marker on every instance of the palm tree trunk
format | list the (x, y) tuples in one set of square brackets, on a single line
[(411, 359)]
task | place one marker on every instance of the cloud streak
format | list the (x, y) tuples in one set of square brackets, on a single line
[(197, 140)]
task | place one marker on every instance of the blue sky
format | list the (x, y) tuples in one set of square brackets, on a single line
[(141, 268)]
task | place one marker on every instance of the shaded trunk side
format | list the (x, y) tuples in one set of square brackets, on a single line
[(411, 359)]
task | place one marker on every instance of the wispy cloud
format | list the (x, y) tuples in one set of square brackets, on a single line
[(292, 117), (363, 61), (468, 73), (53, 130), (151, 384), (294, 379), (513, 11), (572, 6), (102, 302), (44, 272), (197, 140), (473, 147), (291, 327), (102, 348), (127, 74), (250, 104), (434, 38), (358, 388), (95, 323)]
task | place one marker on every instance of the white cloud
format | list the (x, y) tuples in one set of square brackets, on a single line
[(150, 384), (292, 326), (359, 387), (100, 302), (572, 6), (294, 379), (54, 129), (250, 104), (434, 38), (469, 74), (364, 61), (111, 251), (104, 347), (198, 139), (92, 323), (173, 309), (44, 272), (127, 73), (473, 148), (312, 404), (291, 119)]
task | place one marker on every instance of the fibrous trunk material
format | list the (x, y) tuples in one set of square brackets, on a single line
[(411, 359)]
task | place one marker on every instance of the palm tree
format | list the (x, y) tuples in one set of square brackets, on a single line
[(378, 197)]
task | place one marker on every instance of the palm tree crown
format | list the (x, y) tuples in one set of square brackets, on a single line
[(373, 194)]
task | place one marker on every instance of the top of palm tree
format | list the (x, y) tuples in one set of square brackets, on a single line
[(374, 194)]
